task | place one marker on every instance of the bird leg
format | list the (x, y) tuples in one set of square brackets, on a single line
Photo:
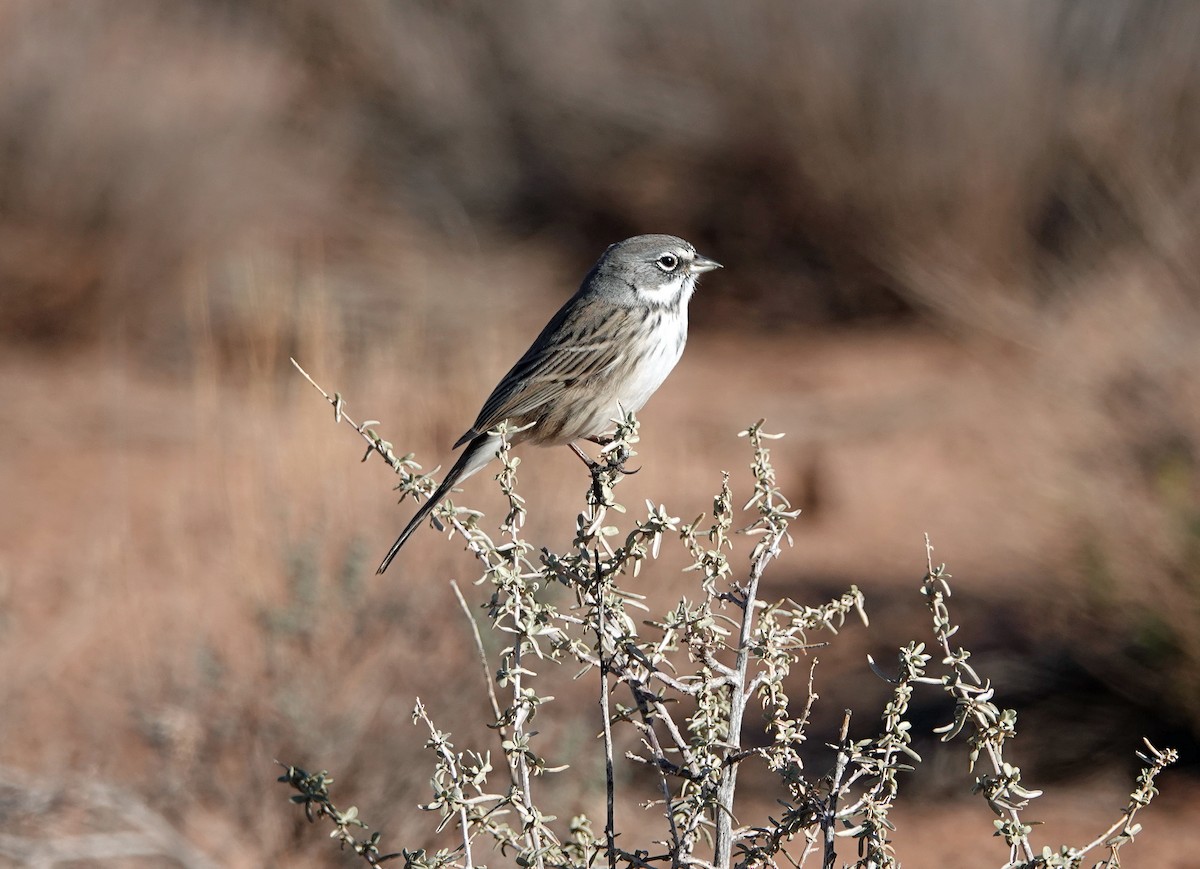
[(584, 457), (604, 440), (592, 464)]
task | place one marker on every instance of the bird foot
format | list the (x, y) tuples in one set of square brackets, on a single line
[(593, 466)]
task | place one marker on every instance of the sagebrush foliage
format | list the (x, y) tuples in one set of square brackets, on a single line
[(685, 682)]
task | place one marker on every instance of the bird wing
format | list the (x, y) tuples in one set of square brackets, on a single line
[(557, 359)]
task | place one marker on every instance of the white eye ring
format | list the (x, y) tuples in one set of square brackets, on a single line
[(668, 262)]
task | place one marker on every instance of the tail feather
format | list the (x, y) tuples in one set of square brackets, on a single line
[(474, 457)]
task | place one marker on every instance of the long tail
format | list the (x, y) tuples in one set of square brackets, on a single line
[(478, 453)]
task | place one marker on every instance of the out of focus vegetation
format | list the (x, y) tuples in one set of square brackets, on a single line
[(850, 159), (961, 250)]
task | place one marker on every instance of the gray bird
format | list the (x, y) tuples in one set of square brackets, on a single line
[(604, 353)]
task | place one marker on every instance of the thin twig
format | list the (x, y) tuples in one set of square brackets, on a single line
[(723, 846), (464, 823), (993, 752), (610, 786), (401, 466), (657, 751), (829, 816), (599, 583), (487, 675), (532, 834)]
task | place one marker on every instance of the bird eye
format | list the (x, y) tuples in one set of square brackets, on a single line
[(668, 262)]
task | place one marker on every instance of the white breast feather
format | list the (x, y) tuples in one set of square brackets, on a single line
[(655, 365)]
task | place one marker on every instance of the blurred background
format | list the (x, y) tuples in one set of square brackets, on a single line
[(961, 273)]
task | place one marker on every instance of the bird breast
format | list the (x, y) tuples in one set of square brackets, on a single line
[(654, 359)]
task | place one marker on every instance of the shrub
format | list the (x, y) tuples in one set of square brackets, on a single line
[(679, 687)]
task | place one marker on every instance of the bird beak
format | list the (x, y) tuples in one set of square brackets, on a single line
[(702, 264)]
